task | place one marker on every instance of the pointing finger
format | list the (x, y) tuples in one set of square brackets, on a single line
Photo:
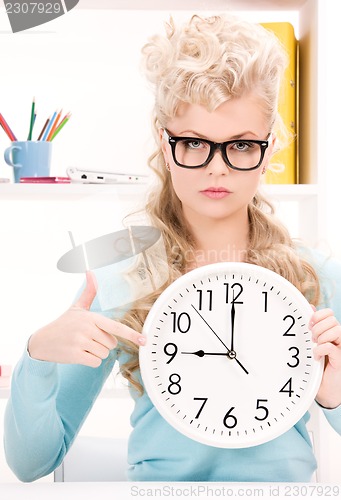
[(119, 330)]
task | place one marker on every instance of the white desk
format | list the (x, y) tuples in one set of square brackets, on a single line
[(129, 491), (65, 491)]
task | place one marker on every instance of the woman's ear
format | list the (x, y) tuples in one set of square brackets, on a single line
[(271, 150), (272, 144), (161, 135), (162, 139), (164, 149)]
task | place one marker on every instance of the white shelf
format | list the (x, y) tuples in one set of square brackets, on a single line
[(66, 192), (290, 192), (108, 392), (55, 192), (4, 392)]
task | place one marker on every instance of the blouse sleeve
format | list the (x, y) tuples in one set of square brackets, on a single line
[(329, 272), (47, 407)]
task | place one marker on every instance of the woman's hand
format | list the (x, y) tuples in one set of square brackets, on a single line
[(80, 336), (326, 332)]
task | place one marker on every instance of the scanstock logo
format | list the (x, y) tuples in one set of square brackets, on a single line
[(24, 15)]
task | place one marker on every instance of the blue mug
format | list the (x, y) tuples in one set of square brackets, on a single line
[(29, 158)]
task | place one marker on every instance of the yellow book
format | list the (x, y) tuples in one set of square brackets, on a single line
[(285, 162)]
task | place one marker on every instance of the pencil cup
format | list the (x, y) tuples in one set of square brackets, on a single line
[(29, 158)]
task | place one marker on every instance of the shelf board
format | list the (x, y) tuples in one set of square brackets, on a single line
[(106, 393), (194, 5), (290, 192), (5, 392), (66, 192)]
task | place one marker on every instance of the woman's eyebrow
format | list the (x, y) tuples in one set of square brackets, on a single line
[(235, 137), (196, 134)]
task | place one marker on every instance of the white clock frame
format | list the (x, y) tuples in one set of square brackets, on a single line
[(269, 381)]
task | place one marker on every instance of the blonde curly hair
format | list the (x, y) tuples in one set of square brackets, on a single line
[(208, 61)]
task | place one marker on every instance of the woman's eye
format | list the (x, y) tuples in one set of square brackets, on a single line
[(242, 146), (196, 144)]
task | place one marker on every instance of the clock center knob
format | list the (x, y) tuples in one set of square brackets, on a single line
[(232, 354)]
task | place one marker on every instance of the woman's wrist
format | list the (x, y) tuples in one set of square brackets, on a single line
[(31, 347)]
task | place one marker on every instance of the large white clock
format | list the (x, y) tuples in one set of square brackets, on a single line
[(229, 355)]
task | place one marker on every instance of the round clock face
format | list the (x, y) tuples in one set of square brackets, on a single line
[(229, 355)]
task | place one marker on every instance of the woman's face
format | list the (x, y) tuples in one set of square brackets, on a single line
[(216, 191)]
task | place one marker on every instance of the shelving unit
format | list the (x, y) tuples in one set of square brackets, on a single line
[(311, 196), (312, 193)]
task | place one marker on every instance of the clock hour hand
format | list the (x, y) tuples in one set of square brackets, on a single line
[(201, 353), (230, 354)]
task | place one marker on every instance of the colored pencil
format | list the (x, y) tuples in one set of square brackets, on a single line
[(29, 138), (7, 129), (43, 129), (54, 126), (49, 126), (61, 125)]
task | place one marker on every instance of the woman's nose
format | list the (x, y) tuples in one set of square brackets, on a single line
[(217, 165)]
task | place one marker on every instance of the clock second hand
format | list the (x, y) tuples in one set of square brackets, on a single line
[(230, 354)]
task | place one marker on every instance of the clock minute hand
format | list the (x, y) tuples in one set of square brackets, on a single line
[(233, 315), (231, 354), (209, 326)]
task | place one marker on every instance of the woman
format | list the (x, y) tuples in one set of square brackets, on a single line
[(216, 85)]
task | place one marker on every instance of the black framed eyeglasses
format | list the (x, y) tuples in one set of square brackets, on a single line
[(194, 152)]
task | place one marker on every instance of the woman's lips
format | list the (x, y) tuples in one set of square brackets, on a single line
[(215, 193)]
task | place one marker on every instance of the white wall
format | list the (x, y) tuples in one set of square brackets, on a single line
[(86, 62)]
